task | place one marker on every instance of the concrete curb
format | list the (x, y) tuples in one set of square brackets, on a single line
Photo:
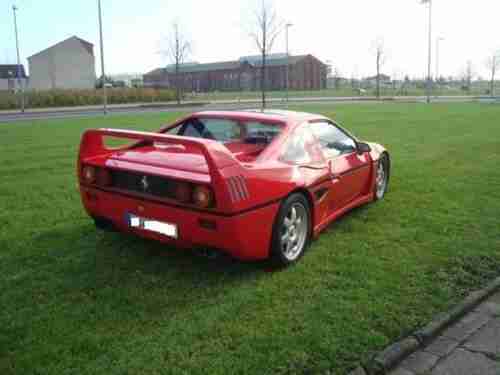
[(392, 355)]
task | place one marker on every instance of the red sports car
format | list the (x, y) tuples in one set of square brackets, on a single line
[(253, 184)]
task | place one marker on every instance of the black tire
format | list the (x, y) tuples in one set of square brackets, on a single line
[(280, 257), (386, 165)]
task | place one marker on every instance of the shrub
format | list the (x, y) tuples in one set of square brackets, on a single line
[(69, 98)]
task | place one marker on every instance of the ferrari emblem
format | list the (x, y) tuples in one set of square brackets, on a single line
[(144, 183)]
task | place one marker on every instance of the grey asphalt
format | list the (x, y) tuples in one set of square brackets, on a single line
[(93, 111), (469, 347), (74, 113)]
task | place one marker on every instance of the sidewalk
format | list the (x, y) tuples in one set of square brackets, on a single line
[(469, 347)]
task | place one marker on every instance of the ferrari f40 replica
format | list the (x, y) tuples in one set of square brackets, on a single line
[(253, 184)]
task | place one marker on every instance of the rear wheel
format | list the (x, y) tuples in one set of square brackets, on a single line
[(291, 230)]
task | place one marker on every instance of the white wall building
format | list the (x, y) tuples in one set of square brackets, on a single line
[(69, 64)]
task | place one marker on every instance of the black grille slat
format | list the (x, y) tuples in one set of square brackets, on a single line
[(237, 188)]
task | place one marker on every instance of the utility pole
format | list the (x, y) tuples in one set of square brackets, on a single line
[(430, 50), (288, 25), (103, 75), (19, 82), (438, 39)]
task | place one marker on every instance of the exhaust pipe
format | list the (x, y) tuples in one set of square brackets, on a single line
[(104, 224), (209, 253)]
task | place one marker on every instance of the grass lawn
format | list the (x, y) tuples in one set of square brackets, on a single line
[(77, 301)]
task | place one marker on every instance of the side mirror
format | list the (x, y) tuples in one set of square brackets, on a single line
[(363, 147)]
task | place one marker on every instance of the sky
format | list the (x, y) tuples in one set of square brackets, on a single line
[(341, 32)]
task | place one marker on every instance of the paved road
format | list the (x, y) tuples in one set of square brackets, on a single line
[(470, 347), (92, 111), (13, 117)]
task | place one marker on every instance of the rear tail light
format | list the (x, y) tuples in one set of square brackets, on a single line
[(89, 174), (94, 175), (202, 196)]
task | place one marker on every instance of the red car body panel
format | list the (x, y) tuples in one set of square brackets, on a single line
[(248, 182)]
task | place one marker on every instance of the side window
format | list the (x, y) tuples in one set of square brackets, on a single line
[(299, 146), (333, 141), (191, 130)]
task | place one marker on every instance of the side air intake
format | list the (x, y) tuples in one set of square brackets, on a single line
[(237, 187)]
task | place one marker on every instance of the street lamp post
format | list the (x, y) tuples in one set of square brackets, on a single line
[(430, 50), (19, 83), (103, 76), (287, 26)]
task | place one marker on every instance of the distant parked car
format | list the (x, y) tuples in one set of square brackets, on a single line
[(253, 184)]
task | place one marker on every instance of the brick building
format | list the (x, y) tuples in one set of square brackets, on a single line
[(306, 72)]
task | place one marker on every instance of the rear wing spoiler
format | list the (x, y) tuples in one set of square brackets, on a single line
[(217, 156)]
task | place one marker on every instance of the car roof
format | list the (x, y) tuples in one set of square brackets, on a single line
[(278, 115)]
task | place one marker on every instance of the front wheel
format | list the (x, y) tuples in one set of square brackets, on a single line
[(291, 230), (382, 177)]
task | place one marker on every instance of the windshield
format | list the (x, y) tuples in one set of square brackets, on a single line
[(227, 130)]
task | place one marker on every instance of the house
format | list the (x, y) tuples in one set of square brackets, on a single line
[(9, 74), (69, 64), (306, 72), (156, 78), (372, 81), (136, 82), (334, 82)]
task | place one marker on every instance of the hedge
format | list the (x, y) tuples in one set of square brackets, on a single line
[(70, 98)]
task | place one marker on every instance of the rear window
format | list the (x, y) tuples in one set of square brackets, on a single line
[(228, 130)]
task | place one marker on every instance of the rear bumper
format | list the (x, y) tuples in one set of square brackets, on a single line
[(245, 236)]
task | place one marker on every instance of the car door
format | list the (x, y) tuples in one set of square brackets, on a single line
[(349, 170)]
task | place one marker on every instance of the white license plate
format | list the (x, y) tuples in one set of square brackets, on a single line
[(166, 229)]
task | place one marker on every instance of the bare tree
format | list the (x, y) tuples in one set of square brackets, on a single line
[(178, 49), (493, 63), (266, 28), (380, 53), (336, 78)]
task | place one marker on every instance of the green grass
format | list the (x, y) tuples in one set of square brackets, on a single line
[(75, 300)]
